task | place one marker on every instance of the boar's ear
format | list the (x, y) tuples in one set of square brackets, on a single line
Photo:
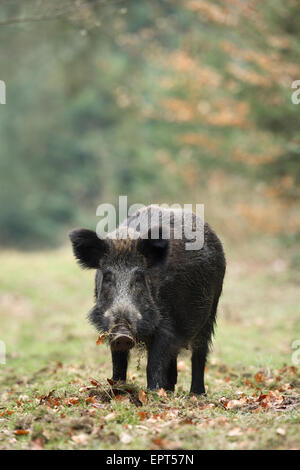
[(154, 250), (87, 247)]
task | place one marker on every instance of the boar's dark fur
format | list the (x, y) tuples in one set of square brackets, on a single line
[(157, 292)]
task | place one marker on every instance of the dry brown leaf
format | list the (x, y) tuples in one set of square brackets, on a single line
[(249, 383), (46, 434), (234, 432), (206, 406), (187, 421), (142, 415), (37, 444), (233, 404), (6, 412), (162, 393), (90, 400), (100, 340), (280, 431), (193, 398), (85, 388), (288, 369), (110, 416), (285, 387), (71, 401), (142, 397), (24, 398), (259, 377), (21, 432), (251, 430), (125, 438), (164, 444), (81, 439)]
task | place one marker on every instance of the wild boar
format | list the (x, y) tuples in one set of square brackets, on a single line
[(155, 291)]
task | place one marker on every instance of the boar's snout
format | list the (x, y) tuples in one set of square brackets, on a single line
[(122, 342)]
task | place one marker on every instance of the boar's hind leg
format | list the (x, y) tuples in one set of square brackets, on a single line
[(200, 350), (120, 363), (198, 364)]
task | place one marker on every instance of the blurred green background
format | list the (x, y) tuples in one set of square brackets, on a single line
[(164, 101), (182, 101)]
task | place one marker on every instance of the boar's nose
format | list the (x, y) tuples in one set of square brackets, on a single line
[(122, 342)]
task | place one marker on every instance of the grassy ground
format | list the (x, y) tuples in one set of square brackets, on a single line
[(47, 398)]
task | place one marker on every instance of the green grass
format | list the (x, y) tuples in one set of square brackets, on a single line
[(44, 299)]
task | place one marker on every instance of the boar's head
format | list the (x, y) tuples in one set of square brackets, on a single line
[(128, 277)]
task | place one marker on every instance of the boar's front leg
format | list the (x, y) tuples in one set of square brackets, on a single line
[(171, 375), (120, 363), (162, 364)]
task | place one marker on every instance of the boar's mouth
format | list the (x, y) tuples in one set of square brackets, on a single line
[(121, 340)]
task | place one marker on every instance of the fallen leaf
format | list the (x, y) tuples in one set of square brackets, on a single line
[(249, 383), (21, 432), (7, 412), (259, 377), (233, 404), (142, 397), (285, 387), (118, 397), (85, 388), (47, 435), (142, 415), (125, 438), (280, 431), (193, 398), (162, 393), (206, 406), (90, 400), (187, 421), (72, 401), (164, 444), (261, 397), (37, 444), (81, 439), (288, 369), (251, 430), (109, 416), (95, 382), (24, 398), (100, 340), (235, 432), (46, 397)]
